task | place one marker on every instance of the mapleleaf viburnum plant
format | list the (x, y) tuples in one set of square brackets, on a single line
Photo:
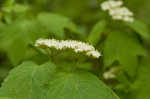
[(74, 49)]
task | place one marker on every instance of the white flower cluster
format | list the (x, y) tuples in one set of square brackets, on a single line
[(117, 11), (111, 4), (110, 74), (76, 46)]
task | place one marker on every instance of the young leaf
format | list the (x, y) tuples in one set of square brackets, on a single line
[(96, 32), (78, 85), (140, 28), (123, 48), (56, 24), (28, 81)]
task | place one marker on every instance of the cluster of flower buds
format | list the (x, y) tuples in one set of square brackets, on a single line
[(111, 73), (117, 11), (76, 46)]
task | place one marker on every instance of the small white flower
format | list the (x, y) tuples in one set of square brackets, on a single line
[(94, 54), (117, 17), (110, 74), (108, 5), (129, 19), (117, 11), (76, 46)]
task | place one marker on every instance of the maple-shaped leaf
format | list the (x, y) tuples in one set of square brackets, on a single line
[(78, 85), (28, 81)]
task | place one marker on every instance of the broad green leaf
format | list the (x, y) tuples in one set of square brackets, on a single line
[(140, 28), (123, 48), (78, 85), (56, 24), (141, 87), (17, 36), (96, 32), (28, 81), (16, 50)]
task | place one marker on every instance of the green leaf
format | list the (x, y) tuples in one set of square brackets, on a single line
[(140, 28), (141, 87), (123, 48), (96, 33), (17, 36), (16, 50), (78, 85), (56, 24), (28, 81)]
